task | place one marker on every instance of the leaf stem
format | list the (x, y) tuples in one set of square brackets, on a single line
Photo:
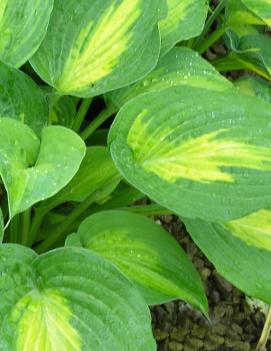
[(61, 229), (148, 210), (26, 220), (14, 228), (81, 114), (265, 333), (98, 121), (209, 41), (234, 62), (209, 23)]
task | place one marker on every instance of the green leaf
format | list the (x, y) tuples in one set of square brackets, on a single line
[(237, 14), (196, 152), (1, 227), (181, 66), (185, 20), (147, 254), (97, 175), (254, 48), (22, 99), (98, 46), (254, 86), (231, 249), (32, 169), (63, 112), (23, 25), (69, 299), (262, 8)]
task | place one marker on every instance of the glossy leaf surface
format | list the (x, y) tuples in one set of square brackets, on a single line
[(97, 175), (23, 25), (254, 86), (181, 66), (33, 169), (262, 8), (94, 47), (230, 249), (73, 300), (185, 20), (199, 153), (147, 254), (22, 99)]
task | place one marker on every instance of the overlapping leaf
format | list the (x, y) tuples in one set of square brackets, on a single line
[(185, 20), (237, 14), (254, 48), (69, 299), (1, 226), (240, 250), (23, 25), (199, 153), (22, 99), (254, 86), (181, 66), (262, 8), (97, 176), (147, 254), (63, 112), (94, 47), (32, 169)]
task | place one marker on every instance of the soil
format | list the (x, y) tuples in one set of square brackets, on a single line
[(234, 326)]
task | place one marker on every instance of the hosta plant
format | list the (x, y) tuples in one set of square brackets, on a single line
[(109, 116)]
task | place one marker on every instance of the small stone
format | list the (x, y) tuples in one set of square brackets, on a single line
[(219, 329), (205, 273), (237, 328), (215, 297), (222, 283), (219, 312), (217, 340), (160, 334), (195, 343), (174, 346), (198, 331), (179, 334), (237, 345), (208, 346)]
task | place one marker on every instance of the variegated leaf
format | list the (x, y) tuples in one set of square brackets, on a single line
[(68, 299), (262, 8), (94, 47), (181, 66), (23, 25), (197, 152), (254, 86), (146, 253), (240, 250), (185, 20)]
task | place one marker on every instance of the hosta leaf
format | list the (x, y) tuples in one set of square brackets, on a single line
[(254, 229), (32, 169), (23, 25), (254, 86), (63, 112), (197, 152), (147, 254), (185, 20), (1, 227), (97, 175), (94, 47), (21, 98), (255, 48), (238, 14), (231, 248), (262, 8), (69, 299), (181, 66)]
